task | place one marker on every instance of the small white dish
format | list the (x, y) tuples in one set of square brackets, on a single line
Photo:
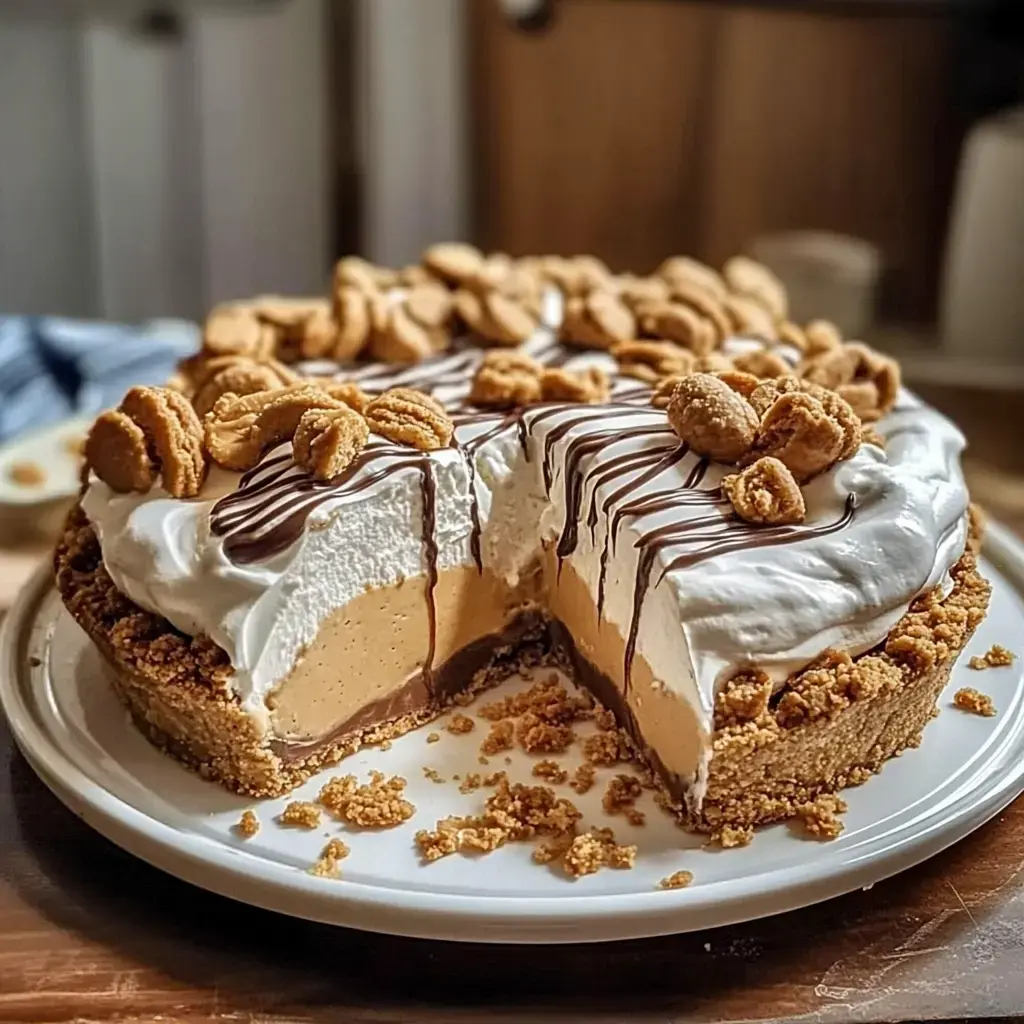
[(54, 451), (79, 740)]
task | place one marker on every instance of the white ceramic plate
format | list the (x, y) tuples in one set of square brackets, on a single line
[(78, 739)]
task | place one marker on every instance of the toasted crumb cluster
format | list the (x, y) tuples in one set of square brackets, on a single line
[(513, 813), (327, 865), (621, 796), (677, 880), (550, 771), (605, 749), (300, 814), (248, 825), (583, 778), (996, 656), (969, 699), (501, 737), (766, 492), (379, 804), (460, 724), (594, 850), (407, 416), (433, 774), (433, 737), (820, 817), (506, 379), (731, 836)]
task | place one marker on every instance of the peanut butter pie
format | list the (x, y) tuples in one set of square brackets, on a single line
[(739, 534)]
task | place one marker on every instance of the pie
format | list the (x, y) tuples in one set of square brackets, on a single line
[(739, 534)]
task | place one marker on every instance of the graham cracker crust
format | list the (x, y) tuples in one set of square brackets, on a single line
[(833, 725)]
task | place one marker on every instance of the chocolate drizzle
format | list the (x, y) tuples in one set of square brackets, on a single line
[(269, 510), (725, 534)]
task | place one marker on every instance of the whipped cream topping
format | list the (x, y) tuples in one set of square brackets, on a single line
[(694, 591)]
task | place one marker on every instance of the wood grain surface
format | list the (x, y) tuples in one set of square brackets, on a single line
[(631, 130)]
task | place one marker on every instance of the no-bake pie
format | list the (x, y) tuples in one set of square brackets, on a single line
[(739, 534)]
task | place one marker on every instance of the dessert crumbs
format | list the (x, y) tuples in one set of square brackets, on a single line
[(378, 804), (621, 794), (537, 736), (603, 748), (978, 703), (594, 850), (433, 774), (821, 818), (605, 720), (731, 836), (335, 849), (325, 868), (460, 724), (385, 745), (433, 737), (248, 825), (300, 814), (996, 656), (482, 760), (677, 880), (550, 771), (513, 813), (501, 737), (635, 817), (583, 778)]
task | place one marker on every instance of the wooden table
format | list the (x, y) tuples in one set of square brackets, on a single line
[(89, 933)]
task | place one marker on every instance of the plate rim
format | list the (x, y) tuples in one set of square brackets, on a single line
[(245, 876)]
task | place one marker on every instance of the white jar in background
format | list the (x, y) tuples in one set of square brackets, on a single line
[(982, 301), (828, 276)]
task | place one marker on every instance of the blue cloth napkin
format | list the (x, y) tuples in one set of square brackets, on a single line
[(52, 368)]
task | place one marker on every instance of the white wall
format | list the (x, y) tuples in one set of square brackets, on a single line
[(413, 125), (46, 235), (143, 177)]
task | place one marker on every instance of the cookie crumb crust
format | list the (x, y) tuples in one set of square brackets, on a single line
[(969, 699), (248, 824), (996, 656), (677, 880)]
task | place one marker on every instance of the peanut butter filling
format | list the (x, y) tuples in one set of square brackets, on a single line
[(667, 723), (378, 642)]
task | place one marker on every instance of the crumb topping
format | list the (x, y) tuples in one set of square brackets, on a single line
[(513, 813), (300, 814), (969, 699), (996, 656), (378, 804), (248, 825), (550, 771), (677, 880)]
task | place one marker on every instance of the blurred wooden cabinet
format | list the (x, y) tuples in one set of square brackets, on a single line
[(636, 128)]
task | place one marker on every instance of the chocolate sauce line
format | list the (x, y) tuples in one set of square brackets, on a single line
[(650, 545), (620, 466), (289, 518), (573, 479), (557, 433), (650, 504)]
